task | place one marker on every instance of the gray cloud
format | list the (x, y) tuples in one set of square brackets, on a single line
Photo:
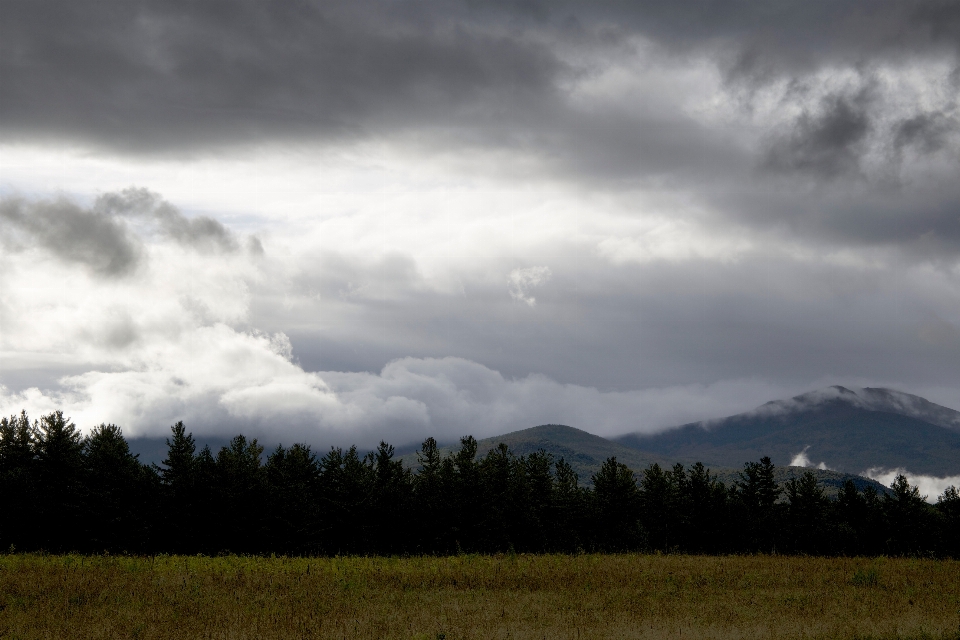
[(100, 237), (927, 132), (829, 132), (172, 76), (201, 232), (449, 77), (826, 144), (72, 233)]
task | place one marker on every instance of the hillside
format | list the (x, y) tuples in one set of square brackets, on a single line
[(850, 431), (584, 451)]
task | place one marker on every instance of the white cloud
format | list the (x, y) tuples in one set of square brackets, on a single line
[(803, 460), (522, 281), (930, 486)]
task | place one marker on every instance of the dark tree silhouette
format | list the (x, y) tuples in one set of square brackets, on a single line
[(17, 475), (59, 483), (119, 491), (61, 492), (617, 504)]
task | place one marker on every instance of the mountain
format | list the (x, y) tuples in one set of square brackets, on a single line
[(584, 451), (847, 430)]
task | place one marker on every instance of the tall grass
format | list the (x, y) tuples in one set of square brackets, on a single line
[(512, 596)]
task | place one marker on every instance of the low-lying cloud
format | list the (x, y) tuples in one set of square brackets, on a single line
[(930, 486)]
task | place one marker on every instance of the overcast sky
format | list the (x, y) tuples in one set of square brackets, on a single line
[(345, 221)]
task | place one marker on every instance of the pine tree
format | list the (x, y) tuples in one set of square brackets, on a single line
[(293, 485), (757, 490), (807, 513), (706, 516), (568, 523), (17, 483), (907, 516), (59, 477), (948, 507), (617, 506), (180, 508), (392, 488), (119, 489), (468, 516), (430, 504), (537, 501), (240, 495), (656, 504)]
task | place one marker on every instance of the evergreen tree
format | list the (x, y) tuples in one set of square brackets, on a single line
[(617, 506), (347, 491), (393, 488), (807, 514), (240, 495), (119, 490), (204, 532), (17, 485), (537, 501), (757, 491), (851, 518), (569, 514), (656, 499), (430, 503), (59, 483), (706, 511), (948, 507), (180, 507), (907, 518), (497, 513), (293, 479), (467, 495)]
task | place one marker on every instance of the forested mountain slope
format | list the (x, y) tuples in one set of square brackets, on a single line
[(850, 431), (583, 451)]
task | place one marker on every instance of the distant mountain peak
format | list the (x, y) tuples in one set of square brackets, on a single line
[(846, 428), (868, 398)]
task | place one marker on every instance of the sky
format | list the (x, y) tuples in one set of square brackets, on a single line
[(345, 221)]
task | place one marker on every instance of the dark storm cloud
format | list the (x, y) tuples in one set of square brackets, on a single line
[(928, 132), (174, 75), (152, 76), (197, 77), (100, 237), (824, 145), (71, 233)]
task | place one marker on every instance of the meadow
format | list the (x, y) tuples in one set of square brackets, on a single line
[(478, 596)]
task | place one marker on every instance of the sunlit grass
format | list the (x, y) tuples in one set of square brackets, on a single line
[(549, 596)]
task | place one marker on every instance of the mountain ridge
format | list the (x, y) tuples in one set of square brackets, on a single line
[(846, 430)]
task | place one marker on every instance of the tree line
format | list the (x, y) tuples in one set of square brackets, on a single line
[(63, 491)]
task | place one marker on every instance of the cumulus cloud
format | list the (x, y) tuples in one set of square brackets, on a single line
[(223, 381)]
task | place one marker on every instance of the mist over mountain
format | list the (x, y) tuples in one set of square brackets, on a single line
[(836, 428)]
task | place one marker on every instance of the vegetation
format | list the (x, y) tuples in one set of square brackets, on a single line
[(499, 596), (62, 492)]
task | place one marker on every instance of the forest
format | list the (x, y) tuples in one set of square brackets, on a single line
[(62, 491)]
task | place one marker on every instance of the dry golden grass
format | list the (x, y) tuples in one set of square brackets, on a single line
[(552, 596)]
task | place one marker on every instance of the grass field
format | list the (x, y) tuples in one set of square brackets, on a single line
[(554, 596)]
